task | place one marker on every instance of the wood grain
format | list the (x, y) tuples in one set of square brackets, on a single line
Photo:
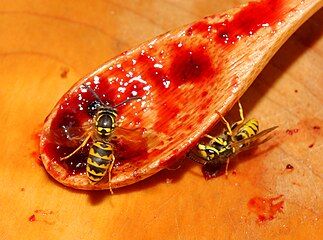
[(46, 46)]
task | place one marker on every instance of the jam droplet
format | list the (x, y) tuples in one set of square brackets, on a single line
[(32, 218), (64, 72), (316, 127), (266, 208), (289, 167), (292, 131)]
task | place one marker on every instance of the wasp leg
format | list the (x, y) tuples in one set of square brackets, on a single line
[(241, 114), (227, 167), (209, 136), (226, 123), (109, 172), (77, 149), (192, 156)]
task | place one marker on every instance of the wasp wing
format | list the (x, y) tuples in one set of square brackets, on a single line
[(192, 155), (251, 142), (128, 134), (71, 135)]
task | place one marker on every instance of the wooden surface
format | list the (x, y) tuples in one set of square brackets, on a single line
[(46, 46)]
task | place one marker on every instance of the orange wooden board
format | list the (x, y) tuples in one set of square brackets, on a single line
[(46, 46)]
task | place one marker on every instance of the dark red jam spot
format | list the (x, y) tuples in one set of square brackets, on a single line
[(64, 72), (32, 218), (190, 65), (316, 127), (246, 22), (296, 91), (289, 167), (266, 208), (311, 145)]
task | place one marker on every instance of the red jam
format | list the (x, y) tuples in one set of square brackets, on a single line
[(289, 167), (32, 218), (250, 19), (266, 208)]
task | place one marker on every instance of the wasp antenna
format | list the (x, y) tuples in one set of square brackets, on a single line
[(94, 94), (125, 101)]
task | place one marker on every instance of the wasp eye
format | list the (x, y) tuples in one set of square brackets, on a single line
[(93, 107)]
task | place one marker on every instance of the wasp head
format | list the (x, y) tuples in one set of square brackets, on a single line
[(206, 152)]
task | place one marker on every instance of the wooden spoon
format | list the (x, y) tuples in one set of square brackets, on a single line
[(183, 77)]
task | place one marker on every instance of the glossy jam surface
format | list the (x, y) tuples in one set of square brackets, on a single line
[(266, 208), (250, 19)]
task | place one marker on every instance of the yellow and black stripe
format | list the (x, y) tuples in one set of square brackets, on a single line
[(210, 153), (99, 161), (105, 121), (250, 128), (219, 141)]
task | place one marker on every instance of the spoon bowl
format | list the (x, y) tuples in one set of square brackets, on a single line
[(182, 78)]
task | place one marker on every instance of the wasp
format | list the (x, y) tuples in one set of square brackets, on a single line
[(101, 158), (240, 136)]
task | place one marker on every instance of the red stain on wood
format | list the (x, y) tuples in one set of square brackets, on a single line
[(292, 131), (316, 127), (64, 72), (266, 208), (42, 216)]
